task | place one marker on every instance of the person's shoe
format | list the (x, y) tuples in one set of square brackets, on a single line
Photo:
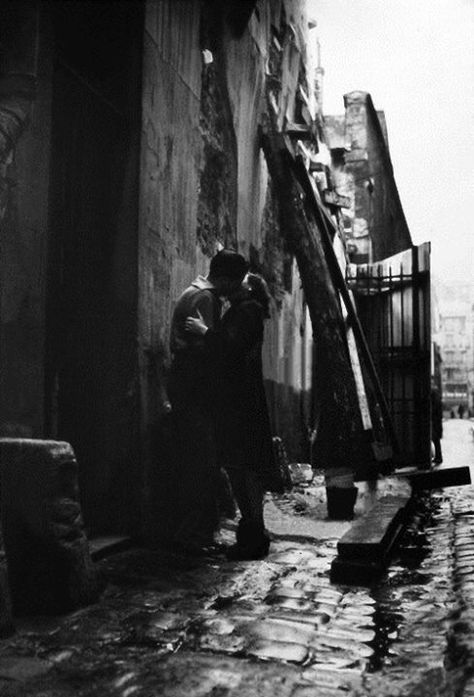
[(248, 553), (252, 543)]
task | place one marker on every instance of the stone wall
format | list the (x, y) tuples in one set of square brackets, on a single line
[(169, 255), (25, 73)]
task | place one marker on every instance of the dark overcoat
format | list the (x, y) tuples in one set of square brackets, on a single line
[(192, 421), (244, 435)]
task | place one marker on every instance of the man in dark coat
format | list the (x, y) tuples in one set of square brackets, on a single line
[(192, 396)]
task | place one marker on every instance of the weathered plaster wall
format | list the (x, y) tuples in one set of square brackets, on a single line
[(24, 223), (168, 257), (245, 68), (217, 202), (287, 348), (171, 156), (247, 65)]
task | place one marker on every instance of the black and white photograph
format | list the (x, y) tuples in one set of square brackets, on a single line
[(236, 348)]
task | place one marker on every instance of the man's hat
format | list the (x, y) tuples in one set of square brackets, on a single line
[(228, 263)]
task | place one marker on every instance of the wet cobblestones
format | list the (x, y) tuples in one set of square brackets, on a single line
[(172, 626), (462, 627), (282, 611), (416, 600)]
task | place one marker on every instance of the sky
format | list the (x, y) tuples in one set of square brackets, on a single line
[(416, 59)]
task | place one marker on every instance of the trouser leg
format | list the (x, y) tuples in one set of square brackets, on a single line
[(252, 539), (248, 493), (196, 477)]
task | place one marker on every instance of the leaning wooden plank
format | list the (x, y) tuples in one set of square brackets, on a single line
[(339, 281), (436, 479), (339, 437)]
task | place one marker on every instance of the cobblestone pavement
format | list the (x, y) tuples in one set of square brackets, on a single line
[(459, 445), (172, 626)]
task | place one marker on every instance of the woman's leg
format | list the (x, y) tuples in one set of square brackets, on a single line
[(252, 540)]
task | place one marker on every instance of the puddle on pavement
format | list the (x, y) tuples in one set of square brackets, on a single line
[(386, 624), (404, 597)]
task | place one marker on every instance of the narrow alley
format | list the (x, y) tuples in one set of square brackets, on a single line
[(168, 625), (225, 352)]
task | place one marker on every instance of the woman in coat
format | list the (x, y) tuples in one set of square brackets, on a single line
[(243, 424)]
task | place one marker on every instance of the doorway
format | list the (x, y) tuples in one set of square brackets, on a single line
[(91, 372)]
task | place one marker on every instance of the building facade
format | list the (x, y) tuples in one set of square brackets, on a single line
[(374, 221), (455, 337)]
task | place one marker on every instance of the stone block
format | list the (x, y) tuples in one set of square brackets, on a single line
[(49, 565), (371, 537), (364, 551)]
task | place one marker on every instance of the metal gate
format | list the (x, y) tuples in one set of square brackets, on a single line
[(393, 302)]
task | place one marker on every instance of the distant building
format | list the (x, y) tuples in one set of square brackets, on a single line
[(455, 338), (374, 222), (454, 332)]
